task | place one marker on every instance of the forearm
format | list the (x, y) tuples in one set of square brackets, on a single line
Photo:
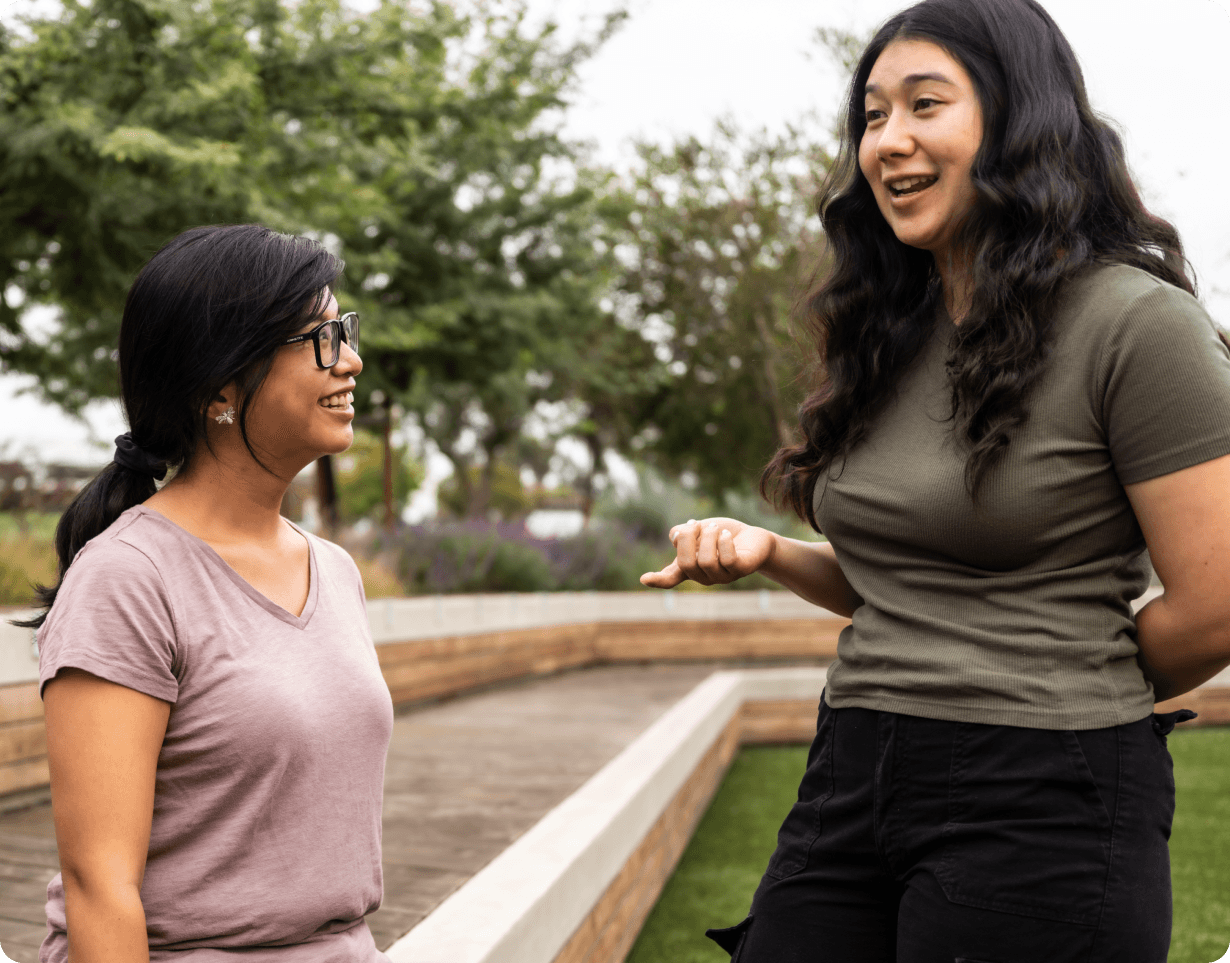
[(810, 570), (1180, 646)]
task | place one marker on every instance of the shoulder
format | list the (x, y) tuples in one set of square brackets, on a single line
[(120, 573), (113, 615), (126, 552), (1107, 297), (1110, 314)]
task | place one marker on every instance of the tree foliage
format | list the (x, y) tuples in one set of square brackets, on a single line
[(720, 245), (513, 293), (360, 477), (423, 143)]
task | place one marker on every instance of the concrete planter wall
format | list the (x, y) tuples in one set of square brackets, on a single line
[(436, 646), (579, 885)]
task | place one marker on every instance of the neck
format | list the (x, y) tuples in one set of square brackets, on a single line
[(957, 286), (225, 499)]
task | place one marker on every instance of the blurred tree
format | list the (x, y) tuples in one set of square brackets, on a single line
[(480, 259), (721, 241), (486, 269), (423, 144), (122, 124), (360, 477), (618, 383), (127, 121), (507, 497)]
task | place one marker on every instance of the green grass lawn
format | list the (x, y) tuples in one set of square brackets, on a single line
[(714, 882), (1200, 845)]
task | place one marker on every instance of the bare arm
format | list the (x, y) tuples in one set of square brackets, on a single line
[(715, 551), (1184, 634), (103, 742)]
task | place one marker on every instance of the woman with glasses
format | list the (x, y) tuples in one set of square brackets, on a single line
[(1019, 394), (216, 717)]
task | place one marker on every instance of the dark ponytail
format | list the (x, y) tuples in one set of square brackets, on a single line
[(207, 311)]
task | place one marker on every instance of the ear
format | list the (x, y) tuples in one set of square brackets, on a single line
[(224, 400)]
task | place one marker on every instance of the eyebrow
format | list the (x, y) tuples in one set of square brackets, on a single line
[(911, 80)]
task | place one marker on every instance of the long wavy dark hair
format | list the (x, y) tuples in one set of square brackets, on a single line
[(210, 309), (1053, 194)]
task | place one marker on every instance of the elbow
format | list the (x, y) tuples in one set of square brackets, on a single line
[(100, 886), (1181, 646)]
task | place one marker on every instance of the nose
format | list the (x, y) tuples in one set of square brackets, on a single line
[(896, 139), (348, 361)]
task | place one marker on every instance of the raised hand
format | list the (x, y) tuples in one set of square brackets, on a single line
[(713, 551)]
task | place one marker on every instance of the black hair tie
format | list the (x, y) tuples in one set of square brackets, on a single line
[(130, 455)]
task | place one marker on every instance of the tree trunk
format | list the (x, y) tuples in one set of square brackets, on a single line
[(588, 486), (769, 345), (326, 495), (388, 469), (481, 498)]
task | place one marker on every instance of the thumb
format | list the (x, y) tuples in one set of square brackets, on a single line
[(669, 577)]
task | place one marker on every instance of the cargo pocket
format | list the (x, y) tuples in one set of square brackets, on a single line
[(802, 824), (1028, 831), (731, 939)]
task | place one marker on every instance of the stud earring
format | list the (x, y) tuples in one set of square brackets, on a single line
[(227, 417)]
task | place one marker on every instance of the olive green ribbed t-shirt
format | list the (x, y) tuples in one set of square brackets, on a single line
[(1017, 610)]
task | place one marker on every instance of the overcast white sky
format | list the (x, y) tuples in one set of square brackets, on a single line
[(1157, 69)]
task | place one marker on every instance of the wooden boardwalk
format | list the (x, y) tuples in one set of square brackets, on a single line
[(464, 779)]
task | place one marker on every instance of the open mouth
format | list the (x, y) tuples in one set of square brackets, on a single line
[(338, 402), (910, 185)]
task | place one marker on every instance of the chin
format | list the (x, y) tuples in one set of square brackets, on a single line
[(343, 443), (333, 444)]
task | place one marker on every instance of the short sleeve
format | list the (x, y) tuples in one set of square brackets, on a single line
[(1166, 378), (113, 619)]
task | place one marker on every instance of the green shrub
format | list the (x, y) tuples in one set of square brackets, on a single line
[(517, 567), (473, 557), (26, 560), (360, 477)]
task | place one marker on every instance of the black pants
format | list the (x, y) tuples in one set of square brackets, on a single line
[(921, 841)]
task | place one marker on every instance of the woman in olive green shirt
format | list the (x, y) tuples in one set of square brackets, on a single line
[(1020, 394)]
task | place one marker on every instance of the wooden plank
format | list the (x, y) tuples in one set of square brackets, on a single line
[(21, 940), (24, 775), (714, 639), (1212, 703), (22, 740), (779, 720), (411, 681), (547, 649), (432, 668), (20, 702), (392, 653)]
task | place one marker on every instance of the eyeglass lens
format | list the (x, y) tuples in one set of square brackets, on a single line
[(350, 331), (330, 342), (327, 341)]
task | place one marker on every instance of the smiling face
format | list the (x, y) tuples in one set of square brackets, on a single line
[(924, 128), (303, 411)]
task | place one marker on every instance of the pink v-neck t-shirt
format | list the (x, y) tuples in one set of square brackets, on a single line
[(265, 841)]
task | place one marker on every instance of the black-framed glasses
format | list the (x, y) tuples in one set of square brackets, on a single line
[(328, 337)]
